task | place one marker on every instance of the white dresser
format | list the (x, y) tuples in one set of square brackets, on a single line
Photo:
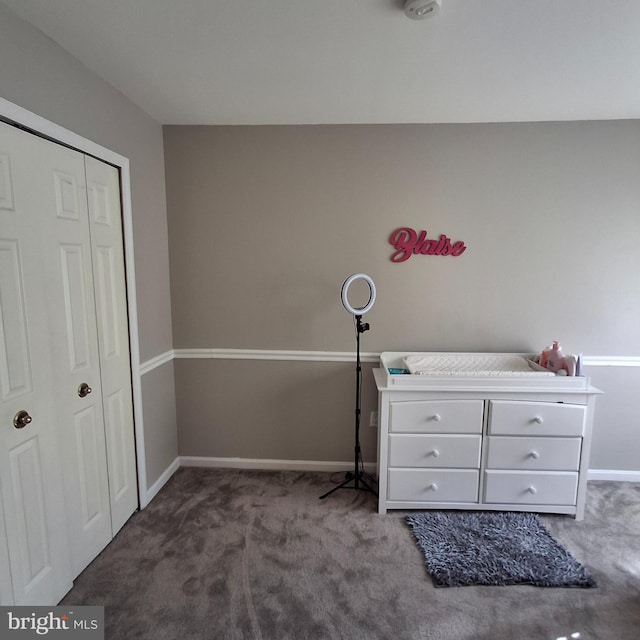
[(483, 442)]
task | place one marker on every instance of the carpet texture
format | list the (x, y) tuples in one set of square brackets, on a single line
[(229, 554), (482, 548)]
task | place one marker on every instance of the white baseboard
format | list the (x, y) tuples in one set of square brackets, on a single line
[(270, 465), (317, 465), (152, 491), (614, 475)]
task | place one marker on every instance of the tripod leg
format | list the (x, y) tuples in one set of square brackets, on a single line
[(342, 485), (359, 484), (366, 487)]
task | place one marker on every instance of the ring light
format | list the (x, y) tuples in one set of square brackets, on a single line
[(359, 478), (357, 311)]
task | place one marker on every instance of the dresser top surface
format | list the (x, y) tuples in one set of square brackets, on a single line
[(469, 371)]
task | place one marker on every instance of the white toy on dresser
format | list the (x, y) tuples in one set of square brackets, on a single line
[(481, 431)]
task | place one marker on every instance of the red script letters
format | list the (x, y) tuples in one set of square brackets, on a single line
[(407, 242)]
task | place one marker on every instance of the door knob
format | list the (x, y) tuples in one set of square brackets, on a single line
[(84, 390), (21, 419)]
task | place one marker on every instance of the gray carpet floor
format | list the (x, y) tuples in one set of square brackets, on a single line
[(229, 554)]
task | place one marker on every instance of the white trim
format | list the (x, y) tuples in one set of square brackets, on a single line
[(57, 133), (271, 465), (134, 339), (275, 354), (611, 361), (157, 361), (328, 356), (165, 476), (614, 475)]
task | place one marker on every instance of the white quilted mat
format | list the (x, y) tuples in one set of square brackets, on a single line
[(471, 364)]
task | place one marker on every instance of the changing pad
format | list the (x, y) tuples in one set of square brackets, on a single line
[(470, 364)]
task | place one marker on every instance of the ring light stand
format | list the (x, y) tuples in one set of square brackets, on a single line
[(357, 476)]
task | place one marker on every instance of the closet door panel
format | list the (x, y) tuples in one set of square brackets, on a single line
[(15, 368), (105, 275), (103, 186), (30, 515), (118, 444), (77, 332), (72, 321), (6, 588), (34, 534), (6, 186), (88, 439)]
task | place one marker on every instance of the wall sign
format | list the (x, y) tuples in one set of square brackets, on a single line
[(407, 242)]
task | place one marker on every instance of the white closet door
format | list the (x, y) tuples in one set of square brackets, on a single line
[(105, 216), (30, 468), (72, 326)]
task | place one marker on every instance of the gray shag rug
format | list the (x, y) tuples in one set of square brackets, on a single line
[(486, 548)]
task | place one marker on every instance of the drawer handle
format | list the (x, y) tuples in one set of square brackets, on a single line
[(433, 487), (532, 490), (436, 417), (534, 454), (435, 453), (538, 419)]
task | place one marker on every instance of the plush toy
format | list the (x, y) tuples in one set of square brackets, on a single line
[(554, 360)]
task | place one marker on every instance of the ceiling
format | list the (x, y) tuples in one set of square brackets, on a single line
[(355, 61)]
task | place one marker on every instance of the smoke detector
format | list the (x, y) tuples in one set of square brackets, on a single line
[(421, 9)]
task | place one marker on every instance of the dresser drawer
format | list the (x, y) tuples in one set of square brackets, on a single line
[(426, 450), (530, 487), (433, 485), (436, 416), (536, 418), (538, 454)]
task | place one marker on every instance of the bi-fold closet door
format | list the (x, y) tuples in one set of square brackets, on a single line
[(67, 452)]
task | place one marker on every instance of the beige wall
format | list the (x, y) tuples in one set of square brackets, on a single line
[(158, 398), (41, 77), (274, 218), (616, 440), (271, 410), (266, 222)]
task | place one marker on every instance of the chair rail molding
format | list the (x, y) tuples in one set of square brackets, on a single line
[(156, 361), (323, 356)]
